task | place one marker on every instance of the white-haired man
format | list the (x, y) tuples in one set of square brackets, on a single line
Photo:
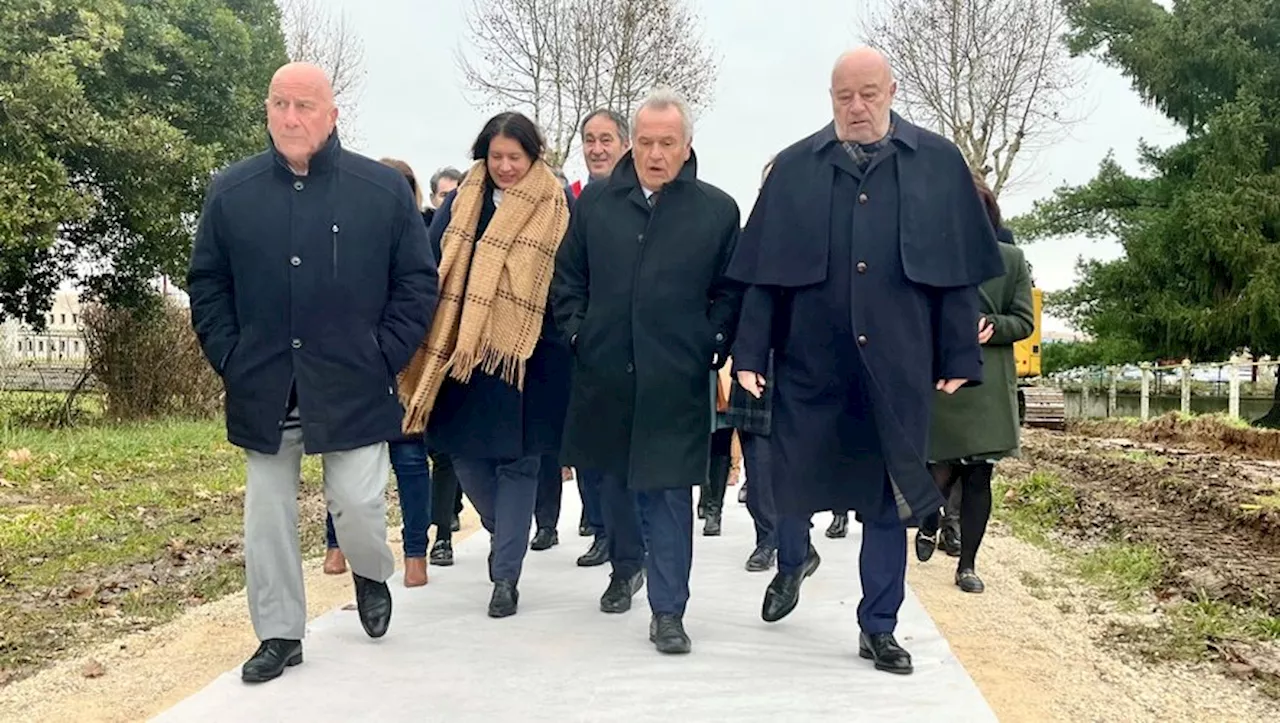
[(640, 293)]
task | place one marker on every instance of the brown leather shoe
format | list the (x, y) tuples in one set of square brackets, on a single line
[(415, 571), (335, 563)]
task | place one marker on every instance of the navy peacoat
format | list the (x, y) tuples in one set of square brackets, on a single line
[(318, 286)]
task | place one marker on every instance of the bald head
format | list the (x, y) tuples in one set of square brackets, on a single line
[(300, 113), (303, 75), (862, 91), (864, 61)]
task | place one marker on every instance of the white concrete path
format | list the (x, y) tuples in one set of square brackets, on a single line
[(561, 659)]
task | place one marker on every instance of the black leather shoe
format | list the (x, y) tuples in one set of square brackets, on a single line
[(968, 581), (839, 527), (783, 593), (762, 559), (925, 545), (584, 530), (442, 553), (885, 651), (667, 634), (597, 555), (373, 600), (456, 524), (617, 597), (949, 539), (712, 528), (742, 493), (272, 658), (545, 539), (505, 599)]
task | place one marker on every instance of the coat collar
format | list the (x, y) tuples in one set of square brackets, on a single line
[(624, 174), (322, 162), (905, 134)]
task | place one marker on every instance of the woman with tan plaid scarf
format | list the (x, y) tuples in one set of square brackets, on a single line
[(490, 383)]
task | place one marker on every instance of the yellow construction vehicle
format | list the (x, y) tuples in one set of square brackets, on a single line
[(1038, 405)]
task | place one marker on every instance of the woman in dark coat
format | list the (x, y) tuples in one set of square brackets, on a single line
[(491, 381), (977, 426), (413, 477)]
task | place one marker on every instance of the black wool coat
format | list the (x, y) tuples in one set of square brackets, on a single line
[(641, 294), (322, 284)]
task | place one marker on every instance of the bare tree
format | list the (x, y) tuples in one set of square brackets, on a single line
[(557, 60), (315, 34), (992, 75)]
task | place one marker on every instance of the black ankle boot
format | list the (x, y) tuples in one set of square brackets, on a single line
[(713, 494)]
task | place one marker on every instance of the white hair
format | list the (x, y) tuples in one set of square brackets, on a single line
[(661, 99)]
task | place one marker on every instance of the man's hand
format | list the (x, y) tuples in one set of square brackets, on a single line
[(752, 382), (985, 330), (951, 385)]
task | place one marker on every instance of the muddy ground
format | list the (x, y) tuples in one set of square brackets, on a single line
[(1212, 516)]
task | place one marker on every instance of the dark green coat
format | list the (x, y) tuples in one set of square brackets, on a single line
[(982, 422)]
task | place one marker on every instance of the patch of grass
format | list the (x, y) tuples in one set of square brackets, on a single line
[(1199, 629), (1269, 502), (106, 529), (48, 409), (1124, 570), (1033, 506)]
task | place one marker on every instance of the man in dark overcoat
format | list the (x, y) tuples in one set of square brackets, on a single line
[(863, 255), (311, 285), (640, 293)]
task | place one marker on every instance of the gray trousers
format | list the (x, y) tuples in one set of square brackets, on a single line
[(354, 487)]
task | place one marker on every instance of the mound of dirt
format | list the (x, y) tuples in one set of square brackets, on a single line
[(1201, 511), (1208, 433)]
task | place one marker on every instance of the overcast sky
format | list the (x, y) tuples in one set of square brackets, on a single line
[(771, 91)]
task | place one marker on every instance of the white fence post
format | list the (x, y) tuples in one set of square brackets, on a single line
[(1146, 390), (1113, 392), (1084, 396), (1233, 388), (1186, 387)]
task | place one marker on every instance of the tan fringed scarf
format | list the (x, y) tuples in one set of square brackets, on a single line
[(504, 282)]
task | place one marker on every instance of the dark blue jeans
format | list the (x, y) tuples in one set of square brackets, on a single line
[(882, 561), (413, 481), (755, 456), (504, 492), (653, 530)]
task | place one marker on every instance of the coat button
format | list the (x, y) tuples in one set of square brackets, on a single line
[(631, 368), (296, 343), (862, 198), (862, 267), (862, 340), (299, 185), (719, 336), (640, 238), (295, 261), (335, 228)]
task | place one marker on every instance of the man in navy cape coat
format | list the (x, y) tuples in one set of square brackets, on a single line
[(862, 258)]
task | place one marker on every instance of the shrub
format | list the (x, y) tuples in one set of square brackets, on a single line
[(148, 363)]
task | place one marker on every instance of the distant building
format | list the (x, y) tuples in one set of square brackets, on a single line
[(61, 341)]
